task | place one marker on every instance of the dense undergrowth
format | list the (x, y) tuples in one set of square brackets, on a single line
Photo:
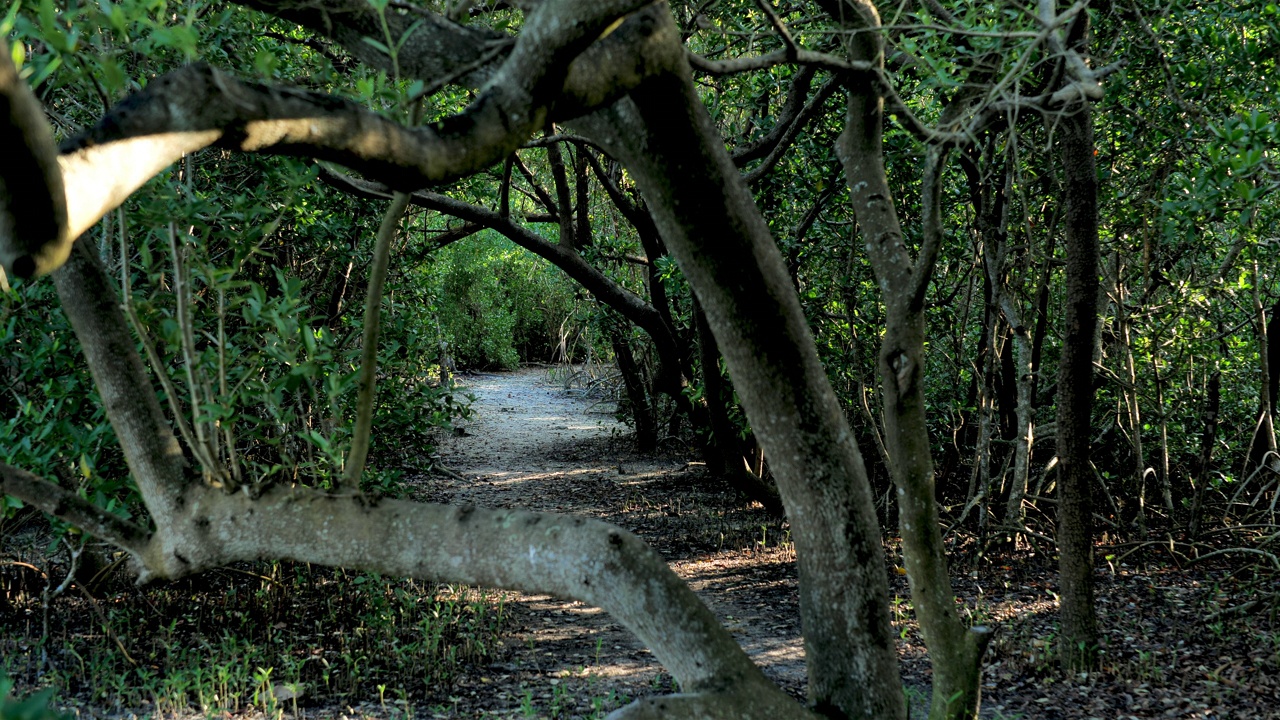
[(253, 637)]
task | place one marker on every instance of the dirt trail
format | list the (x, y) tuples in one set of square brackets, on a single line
[(534, 445)]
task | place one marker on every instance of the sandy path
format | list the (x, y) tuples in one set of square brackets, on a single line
[(534, 445)]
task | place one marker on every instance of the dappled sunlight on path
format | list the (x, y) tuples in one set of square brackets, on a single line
[(534, 445)]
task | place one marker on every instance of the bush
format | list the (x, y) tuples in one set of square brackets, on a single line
[(498, 305)]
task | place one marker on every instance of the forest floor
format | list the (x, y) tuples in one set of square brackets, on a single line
[(533, 444)]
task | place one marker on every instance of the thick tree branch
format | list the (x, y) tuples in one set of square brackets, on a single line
[(197, 106), (570, 557), (91, 302), (564, 199), (709, 221), (582, 201), (797, 94), (438, 47), (66, 505), (33, 212)]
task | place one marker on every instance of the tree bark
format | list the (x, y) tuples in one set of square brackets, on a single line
[(709, 222), (1078, 640), (724, 451), (1262, 450), (1166, 483), (91, 303), (367, 380), (633, 382), (955, 651), (1213, 402), (1130, 394)]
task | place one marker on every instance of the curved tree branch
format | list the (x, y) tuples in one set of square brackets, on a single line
[(368, 378), (792, 131), (627, 303), (553, 211), (436, 47), (797, 94), (66, 505), (33, 212), (198, 106), (567, 556)]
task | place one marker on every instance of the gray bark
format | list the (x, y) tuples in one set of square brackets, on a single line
[(955, 651), (709, 222)]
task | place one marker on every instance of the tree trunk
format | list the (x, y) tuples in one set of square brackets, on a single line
[(1213, 403), (1273, 356), (1166, 484), (1131, 402), (92, 304), (980, 482), (1025, 434), (1262, 450), (1078, 641), (955, 651), (633, 381), (709, 222)]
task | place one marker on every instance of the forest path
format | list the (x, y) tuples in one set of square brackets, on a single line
[(532, 444)]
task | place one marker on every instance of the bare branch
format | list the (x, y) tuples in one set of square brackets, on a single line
[(811, 109), (543, 196), (931, 201), (778, 27), (66, 505), (367, 382), (797, 94)]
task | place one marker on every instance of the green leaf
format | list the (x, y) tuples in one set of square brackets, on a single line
[(11, 17), (377, 44)]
